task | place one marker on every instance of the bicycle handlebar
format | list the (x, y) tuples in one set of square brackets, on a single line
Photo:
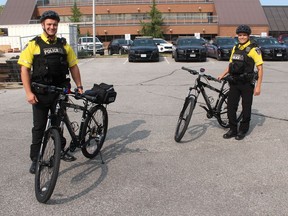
[(75, 94), (194, 72)]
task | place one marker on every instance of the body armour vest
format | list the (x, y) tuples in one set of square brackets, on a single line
[(241, 62), (50, 66)]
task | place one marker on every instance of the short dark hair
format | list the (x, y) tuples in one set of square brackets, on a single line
[(243, 29), (50, 15)]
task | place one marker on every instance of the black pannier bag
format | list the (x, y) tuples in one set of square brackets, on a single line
[(103, 92)]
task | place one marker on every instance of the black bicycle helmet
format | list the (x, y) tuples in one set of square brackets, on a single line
[(243, 29), (50, 15)]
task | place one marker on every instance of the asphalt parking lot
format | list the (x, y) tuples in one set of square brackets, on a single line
[(146, 172)]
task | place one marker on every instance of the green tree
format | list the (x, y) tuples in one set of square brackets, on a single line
[(76, 16), (76, 13), (154, 27), (1, 8)]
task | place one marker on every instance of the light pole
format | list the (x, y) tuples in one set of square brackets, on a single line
[(94, 29)]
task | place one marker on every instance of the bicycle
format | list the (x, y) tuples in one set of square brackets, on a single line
[(90, 138), (219, 110)]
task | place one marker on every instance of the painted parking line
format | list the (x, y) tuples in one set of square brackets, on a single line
[(166, 60)]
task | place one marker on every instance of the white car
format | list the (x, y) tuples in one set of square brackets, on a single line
[(163, 45), (86, 44)]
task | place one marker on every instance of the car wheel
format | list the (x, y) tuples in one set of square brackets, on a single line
[(219, 57), (176, 58), (110, 52)]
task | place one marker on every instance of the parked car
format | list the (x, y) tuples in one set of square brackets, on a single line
[(189, 49), (119, 46), (220, 48), (271, 49), (86, 44), (143, 49), (163, 45)]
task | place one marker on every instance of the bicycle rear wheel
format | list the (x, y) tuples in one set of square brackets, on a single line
[(94, 131), (184, 118), (223, 111), (48, 165)]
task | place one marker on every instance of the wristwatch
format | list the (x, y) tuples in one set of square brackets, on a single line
[(80, 87)]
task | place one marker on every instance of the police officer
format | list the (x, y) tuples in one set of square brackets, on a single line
[(244, 57), (47, 59)]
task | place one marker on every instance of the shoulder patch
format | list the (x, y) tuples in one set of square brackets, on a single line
[(248, 49), (258, 50)]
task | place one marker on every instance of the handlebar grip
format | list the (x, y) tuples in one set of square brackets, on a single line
[(190, 70)]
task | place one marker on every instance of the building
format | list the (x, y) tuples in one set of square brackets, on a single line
[(115, 18)]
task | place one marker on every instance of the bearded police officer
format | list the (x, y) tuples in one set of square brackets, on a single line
[(48, 60), (244, 57)]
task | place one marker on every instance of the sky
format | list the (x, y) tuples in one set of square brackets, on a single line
[(263, 2)]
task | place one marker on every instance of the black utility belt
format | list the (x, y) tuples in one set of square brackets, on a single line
[(41, 90)]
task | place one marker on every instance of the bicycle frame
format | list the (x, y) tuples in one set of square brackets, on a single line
[(76, 139), (199, 88)]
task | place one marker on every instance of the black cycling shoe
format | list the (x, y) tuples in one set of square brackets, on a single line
[(230, 134), (32, 169), (67, 157), (240, 135)]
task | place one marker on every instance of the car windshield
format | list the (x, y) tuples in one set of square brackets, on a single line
[(226, 41), (159, 41), (190, 41), (90, 40), (266, 41), (124, 42), (144, 42)]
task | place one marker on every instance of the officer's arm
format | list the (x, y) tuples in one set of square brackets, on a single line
[(257, 89), (25, 77), (75, 72)]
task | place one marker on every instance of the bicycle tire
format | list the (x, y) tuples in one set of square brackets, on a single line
[(48, 164), (223, 111), (184, 118), (94, 131)]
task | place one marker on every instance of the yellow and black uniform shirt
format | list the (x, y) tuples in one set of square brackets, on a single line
[(254, 53), (27, 55)]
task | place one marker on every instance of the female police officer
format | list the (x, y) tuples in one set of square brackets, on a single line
[(245, 55), (51, 59)]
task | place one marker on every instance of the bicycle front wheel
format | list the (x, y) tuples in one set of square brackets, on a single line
[(48, 164), (223, 111), (94, 131), (184, 118)]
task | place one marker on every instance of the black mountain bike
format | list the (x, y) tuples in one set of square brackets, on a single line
[(219, 110), (90, 138)]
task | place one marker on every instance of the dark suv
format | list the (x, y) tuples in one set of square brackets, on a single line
[(119, 46), (143, 49), (220, 48), (271, 49), (189, 49)]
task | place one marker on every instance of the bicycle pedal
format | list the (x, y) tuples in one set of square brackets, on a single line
[(72, 147)]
